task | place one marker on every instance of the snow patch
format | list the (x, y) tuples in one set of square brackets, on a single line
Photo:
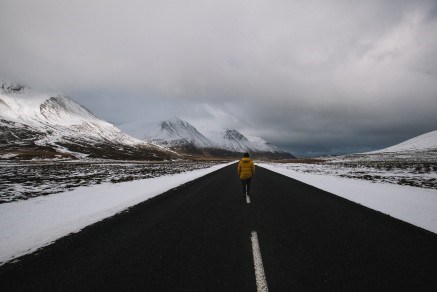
[(420, 143), (410, 204), (26, 226)]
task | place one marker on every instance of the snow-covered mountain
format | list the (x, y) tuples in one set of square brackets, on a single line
[(51, 123), (181, 136), (423, 142), (173, 133), (234, 140)]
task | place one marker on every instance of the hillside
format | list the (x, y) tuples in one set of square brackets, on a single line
[(179, 135), (39, 124), (427, 141)]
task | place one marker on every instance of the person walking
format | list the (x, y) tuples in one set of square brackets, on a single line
[(246, 170)]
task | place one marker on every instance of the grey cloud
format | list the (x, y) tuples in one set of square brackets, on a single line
[(311, 76)]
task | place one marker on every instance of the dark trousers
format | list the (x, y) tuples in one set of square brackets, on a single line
[(246, 185)]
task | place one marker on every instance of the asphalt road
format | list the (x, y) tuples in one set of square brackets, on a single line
[(198, 238)]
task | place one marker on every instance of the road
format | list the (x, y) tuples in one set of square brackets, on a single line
[(198, 237)]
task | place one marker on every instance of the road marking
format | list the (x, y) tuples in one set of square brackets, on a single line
[(261, 282), (247, 199)]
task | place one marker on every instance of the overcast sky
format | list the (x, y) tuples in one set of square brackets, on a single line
[(314, 77)]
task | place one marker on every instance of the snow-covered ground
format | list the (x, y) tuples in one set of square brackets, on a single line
[(26, 226), (22, 180), (413, 171), (414, 205)]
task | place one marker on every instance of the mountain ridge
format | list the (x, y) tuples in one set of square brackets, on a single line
[(55, 125), (179, 135), (424, 142)]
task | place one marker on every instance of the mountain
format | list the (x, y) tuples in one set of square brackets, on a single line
[(181, 136), (49, 125), (177, 132), (176, 135), (425, 142), (233, 140)]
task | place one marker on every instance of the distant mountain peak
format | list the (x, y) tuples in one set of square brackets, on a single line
[(62, 106), (176, 133), (232, 134), (175, 124), (180, 135)]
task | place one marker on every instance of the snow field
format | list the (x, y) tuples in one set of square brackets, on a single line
[(23, 180), (422, 142), (26, 226), (414, 205)]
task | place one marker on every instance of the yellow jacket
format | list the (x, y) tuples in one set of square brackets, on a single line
[(246, 168)]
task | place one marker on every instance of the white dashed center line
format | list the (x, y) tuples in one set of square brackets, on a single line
[(261, 282), (247, 199)]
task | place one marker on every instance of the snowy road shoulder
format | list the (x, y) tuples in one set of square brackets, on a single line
[(410, 204), (26, 226)]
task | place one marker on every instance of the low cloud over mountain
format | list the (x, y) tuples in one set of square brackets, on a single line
[(181, 136)]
